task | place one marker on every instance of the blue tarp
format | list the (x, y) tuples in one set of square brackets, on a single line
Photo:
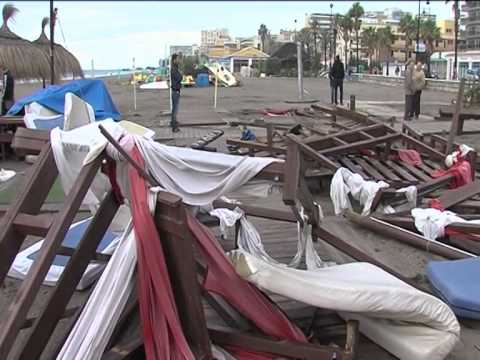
[(93, 92)]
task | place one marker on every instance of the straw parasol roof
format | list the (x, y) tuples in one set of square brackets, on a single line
[(20, 56), (66, 63)]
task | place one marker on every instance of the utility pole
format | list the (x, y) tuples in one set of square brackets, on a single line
[(457, 19), (53, 18), (300, 70), (418, 32)]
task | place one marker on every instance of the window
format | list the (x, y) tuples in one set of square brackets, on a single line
[(436, 43), (450, 42), (448, 31)]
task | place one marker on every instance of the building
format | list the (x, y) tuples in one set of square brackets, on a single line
[(211, 38), (235, 60), (325, 21), (472, 24), (284, 36), (185, 50)]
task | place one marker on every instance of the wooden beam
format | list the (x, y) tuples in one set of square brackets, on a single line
[(456, 196), (364, 144), (30, 286), (455, 127)]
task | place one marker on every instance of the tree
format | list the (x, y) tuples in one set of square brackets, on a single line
[(314, 28), (409, 28), (429, 33), (345, 26), (306, 38), (385, 39), (370, 41), (263, 32), (356, 12)]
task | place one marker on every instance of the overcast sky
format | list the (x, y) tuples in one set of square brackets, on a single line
[(112, 33)]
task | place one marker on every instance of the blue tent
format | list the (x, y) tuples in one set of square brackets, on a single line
[(93, 92)]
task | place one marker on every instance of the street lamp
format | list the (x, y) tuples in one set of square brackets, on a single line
[(358, 58), (331, 30), (418, 32)]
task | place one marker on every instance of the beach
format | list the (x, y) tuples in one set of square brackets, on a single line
[(196, 107)]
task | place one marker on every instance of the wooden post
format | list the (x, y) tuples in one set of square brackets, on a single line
[(456, 117), (216, 91), (134, 87), (171, 223), (352, 102)]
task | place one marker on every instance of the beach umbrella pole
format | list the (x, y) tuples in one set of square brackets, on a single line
[(52, 42), (134, 87), (216, 90)]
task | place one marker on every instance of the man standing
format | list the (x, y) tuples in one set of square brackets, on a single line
[(337, 74), (409, 89), (7, 96), (176, 85)]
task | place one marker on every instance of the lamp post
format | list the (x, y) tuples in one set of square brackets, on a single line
[(331, 31), (53, 18), (457, 16), (356, 35), (418, 31)]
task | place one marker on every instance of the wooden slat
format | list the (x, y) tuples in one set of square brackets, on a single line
[(369, 169), (456, 196), (383, 169), (364, 144), (311, 140), (401, 171), (36, 225), (40, 178), (353, 167), (418, 173), (30, 286)]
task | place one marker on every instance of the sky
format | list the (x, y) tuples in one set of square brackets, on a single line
[(113, 33)]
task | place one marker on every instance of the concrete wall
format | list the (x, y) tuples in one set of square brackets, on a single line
[(439, 85)]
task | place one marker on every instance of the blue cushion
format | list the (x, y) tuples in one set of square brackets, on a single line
[(72, 239), (457, 284)]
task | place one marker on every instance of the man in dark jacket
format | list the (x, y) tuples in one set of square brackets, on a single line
[(176, 85), (337, 74), (7, 96)]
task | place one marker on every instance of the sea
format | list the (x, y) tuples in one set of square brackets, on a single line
[(89, 75)]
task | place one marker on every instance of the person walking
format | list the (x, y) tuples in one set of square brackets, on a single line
[(337, 74), (7, 93), (409, 90), (397, 71), (418, 86), (176, 85)]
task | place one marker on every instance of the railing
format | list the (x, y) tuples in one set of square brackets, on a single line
[(431, 84)]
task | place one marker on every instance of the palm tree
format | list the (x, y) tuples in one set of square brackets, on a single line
[(314, 28), (430, 33), (356, 12), (263, 32), (345, 26), (369, 40), (409, 28), (385, 39)]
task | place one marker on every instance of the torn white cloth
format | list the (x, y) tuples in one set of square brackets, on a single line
[(410, 194), (6, 175), (249, 239), (344, 182), (400, 318), (77, 112), (198, 178), (454, 157), (432, 222), (93, 329)]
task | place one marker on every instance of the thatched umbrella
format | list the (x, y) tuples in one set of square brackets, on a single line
[(66, 63), (20, 56)]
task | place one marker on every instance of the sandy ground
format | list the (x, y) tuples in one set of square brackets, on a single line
[(196, 106)]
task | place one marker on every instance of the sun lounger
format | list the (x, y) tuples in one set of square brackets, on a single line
[(25, 258), (455, 282)]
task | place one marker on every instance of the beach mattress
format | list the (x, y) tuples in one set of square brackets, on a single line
[(24, 260), (406, 322), (455, 282)]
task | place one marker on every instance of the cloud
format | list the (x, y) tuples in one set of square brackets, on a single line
[(118, 51)]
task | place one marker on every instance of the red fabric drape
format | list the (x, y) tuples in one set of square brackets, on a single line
[(246, 298), (462, 172), (410, 156), (162, 334)]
